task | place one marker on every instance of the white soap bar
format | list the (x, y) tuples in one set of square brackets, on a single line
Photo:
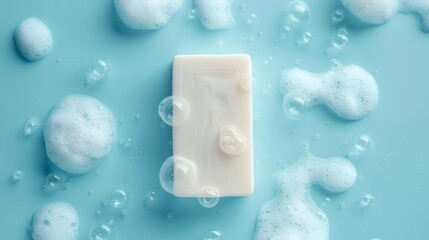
[(214, 146)]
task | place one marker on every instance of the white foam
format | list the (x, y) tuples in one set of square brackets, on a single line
[(55, 220), (33, 39), (78, 133), (381, 11), (292, 214), (215, 14), (349, 91), (146, 14)]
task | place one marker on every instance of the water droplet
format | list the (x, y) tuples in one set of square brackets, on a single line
[(213, 234), (366, 201), (305, 39), (231, 141), (101, 231), (17, 175), (31, 126), (98, 71), (166, 175), (54, 181), (208, 196), (337, 16), (118, 199), (295, 107), (360, 145), (173, 110), (297, 12)]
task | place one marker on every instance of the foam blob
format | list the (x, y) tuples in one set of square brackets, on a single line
[(55, 220), (146, 14), (215, 15), (231, 140), (33, 39), (293, 214), (79, 132), (381, 11), (349, 91)]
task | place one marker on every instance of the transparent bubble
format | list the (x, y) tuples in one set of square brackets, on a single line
[(192, 14), (246, 83), (98, 71), (208, 196), (231, 141), (213, 234), (31, 126), (118, 199), (17, 175), (360, 144), (251, 20), (297, 12), (173, 110), (125, 143), (295, 107), (334, 64), (337, 16), (166, 175), (340, 38), (305, 39), (101, 231), (170, 215), (55, 180), (367, 200), (151, 199)]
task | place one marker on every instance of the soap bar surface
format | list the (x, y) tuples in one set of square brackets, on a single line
[(214, 146)]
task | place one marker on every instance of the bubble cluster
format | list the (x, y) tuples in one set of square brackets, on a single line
[(146, 14), (31, 126), (17, 175), (79, 132), (173, 110), (366, 201), (215, 15), (295, 107), (208, 196), (101, 231), (293, 214), (349, 91), (360, 145), (33, 39), (99, 71), (55, 220), (213, 234), (231, 140), (54, 181)]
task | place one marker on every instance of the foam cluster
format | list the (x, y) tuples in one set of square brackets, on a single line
[(349, 91), (55, 220), (215, 14), (146, 14), (293, 214), (381, 11), (79, 132), (33, 39)]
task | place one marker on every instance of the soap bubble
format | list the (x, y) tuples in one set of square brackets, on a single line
[(192, 14), (295, 107), (360, 144), (99, 71), (55, 180), (297, 12), (151, 199), (334, 64), (118, 199), (31, 126), (340, 38), (166, 175), (208, 196), (337, 16), (247, 83), (213, 234), (366, 201), (173, 110), (231, 141), (17, 175), (305, 39), (102, 231)]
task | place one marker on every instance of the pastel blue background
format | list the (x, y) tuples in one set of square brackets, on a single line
[(396, 172)]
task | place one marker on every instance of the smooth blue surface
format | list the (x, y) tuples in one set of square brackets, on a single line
[(396, 172)]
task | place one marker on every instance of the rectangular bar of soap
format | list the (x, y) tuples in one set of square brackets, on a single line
[(214, 146)]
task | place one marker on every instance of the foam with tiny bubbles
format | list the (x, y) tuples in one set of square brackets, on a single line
[(293, 214), (33, 39), (146, 14), (381, 11), (215, 15), (55, 220), (79, 132), (349, 91)]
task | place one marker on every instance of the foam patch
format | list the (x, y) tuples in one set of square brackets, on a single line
[(215, 14), (33, 39), (79, 132), (349, 91), (293, 215), (146, 14)]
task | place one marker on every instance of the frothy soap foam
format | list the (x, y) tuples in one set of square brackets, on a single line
[(381, 11), (55, 220), (146, 14), (215, 14), (33, 39), (292, 214), (79, 132), (349, 91)]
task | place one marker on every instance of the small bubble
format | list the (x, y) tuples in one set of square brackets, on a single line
[(295, 107), (170, 215), (342, 205), (334, 64), (54, 181), (231, 141), (305, 39), (151, 199), (121, 120), (366, 201), (126, 143), (340, 38), (242, 5), (208, 196), (166, 175), (213, 234), (31, 126), (173, 110), (316, 137), (247, 83), (297, 12), (192, 14), (118, 199), (268, 60), (360, 145), (98, 71), (137, 116), (337, 16), (101, 231), (17, 175), (251, 20)]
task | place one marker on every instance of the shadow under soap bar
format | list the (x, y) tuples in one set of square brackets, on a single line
[(214, 146)]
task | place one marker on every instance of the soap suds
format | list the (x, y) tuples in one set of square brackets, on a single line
[(146, 14), (215, 15), (33, 39), (381, 11), (293, 214), (55, 220), (349, 91), (231, 140), (79, 132)]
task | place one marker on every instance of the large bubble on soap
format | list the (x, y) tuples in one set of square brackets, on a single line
[(79, 132), (33, 39), (215, 14), (146, 14), (293, 214), (55, 220), (349, 91)]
